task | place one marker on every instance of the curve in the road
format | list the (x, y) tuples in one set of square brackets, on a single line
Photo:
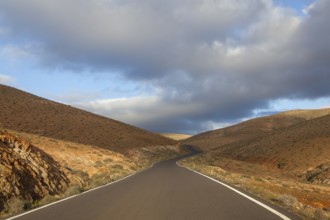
[(165, 191)]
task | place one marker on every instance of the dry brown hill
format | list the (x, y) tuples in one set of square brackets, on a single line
[(253, 129), (296, 141), (307, 114), (24, 112), (298, 148), (284, 158)]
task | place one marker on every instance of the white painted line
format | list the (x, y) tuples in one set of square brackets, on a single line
[(242, 194), (62, 200)]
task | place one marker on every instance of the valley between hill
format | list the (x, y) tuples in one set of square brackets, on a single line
[(49, 151)]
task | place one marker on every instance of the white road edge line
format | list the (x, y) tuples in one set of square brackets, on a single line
[(62, 200), (242, 194)]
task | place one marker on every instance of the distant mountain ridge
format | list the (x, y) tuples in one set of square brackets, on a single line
[(24, 112)]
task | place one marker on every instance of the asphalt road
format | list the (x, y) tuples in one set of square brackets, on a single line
[(165, 191)]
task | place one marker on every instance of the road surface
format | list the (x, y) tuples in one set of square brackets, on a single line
[(165, 191)]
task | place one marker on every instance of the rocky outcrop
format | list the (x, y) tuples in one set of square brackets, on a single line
[(320, 174), (26, 172)]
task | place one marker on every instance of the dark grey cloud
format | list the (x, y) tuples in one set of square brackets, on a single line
[(209, 61)]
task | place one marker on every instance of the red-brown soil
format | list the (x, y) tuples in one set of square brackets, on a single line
[(252, 129), (294, 142), (24, 112), (297, 148)]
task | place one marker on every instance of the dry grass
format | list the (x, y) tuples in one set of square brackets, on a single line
[(310, 201), (90, 166), (85, 161), (17, 205)]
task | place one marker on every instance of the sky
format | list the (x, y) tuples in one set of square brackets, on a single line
[(180, 66)]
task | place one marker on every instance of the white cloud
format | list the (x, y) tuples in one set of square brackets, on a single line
[(137, 110), (208, 60), (76, 96), (308, 8), (14, 52), (5, 79)]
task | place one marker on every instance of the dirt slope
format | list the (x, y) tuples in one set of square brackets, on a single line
[(295, 141), (24, 112), (300, 147), (252, 129)]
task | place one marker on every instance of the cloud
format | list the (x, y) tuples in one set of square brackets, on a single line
[(5, 79), (145, 111), (76, 96), (15, 52), (140, 38), (4, 31), (209, 61)]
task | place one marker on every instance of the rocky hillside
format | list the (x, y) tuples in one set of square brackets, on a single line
[(26, 172), (28, 113)]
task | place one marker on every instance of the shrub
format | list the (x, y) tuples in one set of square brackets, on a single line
[(288, 201), (73, 190), (46, 200), (281, 165), (17, 205), (82, 174), (320, 214), (117, 166), (108, 160), (99, 179)]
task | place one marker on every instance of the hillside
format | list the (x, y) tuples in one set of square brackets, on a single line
[(252, 129), (300, 147), (24, 112), (295, 142), (283, 158)]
